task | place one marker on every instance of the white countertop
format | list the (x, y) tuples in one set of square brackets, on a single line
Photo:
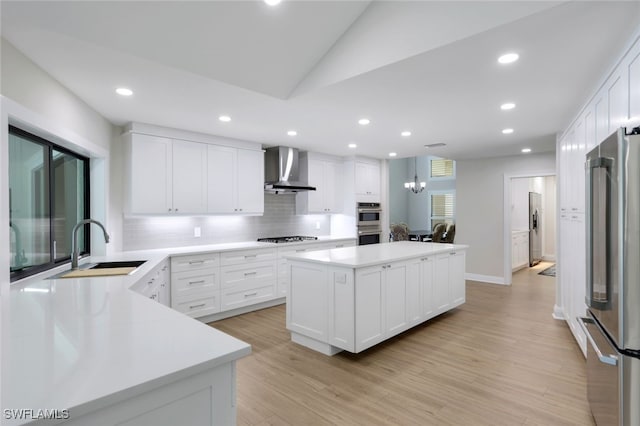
[(375, 254), (83, 343)]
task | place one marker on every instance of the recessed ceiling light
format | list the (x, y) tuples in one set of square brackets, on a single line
[(123, 91), (526, 150), (507, 106), (292, 133), (507, 131), (272, 2), (364, 121), (224, 118), (508, 58), (392, 154), (405, 133), (352, 145)]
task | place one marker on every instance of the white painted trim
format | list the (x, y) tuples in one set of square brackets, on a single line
[(243, 310), (485, 278), (549, 258), (558, 313), (506, 215)]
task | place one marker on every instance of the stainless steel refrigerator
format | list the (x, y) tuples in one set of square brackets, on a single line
[(535, 230), (612, 325)]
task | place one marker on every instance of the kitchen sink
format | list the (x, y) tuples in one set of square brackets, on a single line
[(118, 264), (102, 269)]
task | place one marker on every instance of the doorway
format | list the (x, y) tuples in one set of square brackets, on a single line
[(530, 222)]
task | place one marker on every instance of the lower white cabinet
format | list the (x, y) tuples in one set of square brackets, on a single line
[(248, 277), (156, 284), (206, 398), (283, 267), (332, 308), (195, 284), (519, 249)]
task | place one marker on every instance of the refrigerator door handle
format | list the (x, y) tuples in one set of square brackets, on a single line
[(605, 359), (602, 301)]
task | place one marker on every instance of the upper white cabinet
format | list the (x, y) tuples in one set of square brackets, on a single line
[(235, 180), (168, 174), (367, 180), (324, 173)]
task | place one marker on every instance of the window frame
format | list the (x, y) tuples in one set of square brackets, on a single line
[(49, 148), (440, 192), (440, 178)]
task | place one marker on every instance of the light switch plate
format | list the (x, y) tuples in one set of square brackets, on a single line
[(196, 232)]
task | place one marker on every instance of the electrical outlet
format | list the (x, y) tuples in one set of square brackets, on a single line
[(317, 225), (196, 232)]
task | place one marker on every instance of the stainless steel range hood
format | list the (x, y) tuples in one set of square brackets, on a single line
[(281, 172)]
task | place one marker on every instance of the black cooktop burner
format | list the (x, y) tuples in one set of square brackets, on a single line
[(286, 239)]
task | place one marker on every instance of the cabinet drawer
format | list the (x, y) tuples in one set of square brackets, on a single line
[(248, 276), (244, 256), (194, 262), (194, 282), (233, 298), (199, 306)]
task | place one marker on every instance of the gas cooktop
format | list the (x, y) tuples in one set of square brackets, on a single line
[(291, 239)]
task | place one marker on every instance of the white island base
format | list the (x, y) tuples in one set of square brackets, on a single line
[(356, 297)]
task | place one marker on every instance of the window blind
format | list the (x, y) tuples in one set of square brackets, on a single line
[(441, 167), (442, 205)]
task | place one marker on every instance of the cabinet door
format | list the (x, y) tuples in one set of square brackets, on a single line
[(428, 301), (221, 182), (414, 292), (316, 199), (333, 188), (150, 180), (441, 291), (250, 178), (396, 294), (634, 82), (456, 278), (362, 178), (369, 291), (189, 177)]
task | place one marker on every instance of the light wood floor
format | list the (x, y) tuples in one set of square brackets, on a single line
[(499, 359)]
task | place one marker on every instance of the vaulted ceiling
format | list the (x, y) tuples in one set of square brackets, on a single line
[(317, 67)]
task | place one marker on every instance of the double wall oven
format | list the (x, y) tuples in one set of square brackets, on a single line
[(369, 224)]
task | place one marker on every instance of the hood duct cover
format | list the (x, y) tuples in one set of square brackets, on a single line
[(281, 171)]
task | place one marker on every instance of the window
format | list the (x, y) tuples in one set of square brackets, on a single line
[(442, 207), (442, 168), (48, 195)]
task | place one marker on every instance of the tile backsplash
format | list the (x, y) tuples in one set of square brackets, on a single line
[(279, 219)]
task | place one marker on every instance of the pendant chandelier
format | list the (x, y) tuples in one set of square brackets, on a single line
[(416, 186)]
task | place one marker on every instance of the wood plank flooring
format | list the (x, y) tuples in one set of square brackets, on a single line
[(499, 359)]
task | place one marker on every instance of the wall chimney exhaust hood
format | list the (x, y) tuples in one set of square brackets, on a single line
[(281, 173)]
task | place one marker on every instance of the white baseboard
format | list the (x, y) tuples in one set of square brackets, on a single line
[(485, 278), (549, 257), (558, 313), (243, 310)]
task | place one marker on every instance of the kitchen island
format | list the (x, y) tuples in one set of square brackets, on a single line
[(355, 297)]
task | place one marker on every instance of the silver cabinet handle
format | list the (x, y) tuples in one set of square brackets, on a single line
[(248, 256), (250, 273), (255, 293), (169, 209), (340, 246), (196, 262), (298, 251), (196, 282), (197, 306), (453, 253)]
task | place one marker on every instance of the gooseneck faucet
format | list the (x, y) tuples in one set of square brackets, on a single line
[(74, 239)]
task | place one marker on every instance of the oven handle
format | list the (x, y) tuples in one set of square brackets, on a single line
[(374, 210), (369, 232), (605, 359)]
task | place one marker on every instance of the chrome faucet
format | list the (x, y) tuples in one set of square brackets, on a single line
[(74, 239)]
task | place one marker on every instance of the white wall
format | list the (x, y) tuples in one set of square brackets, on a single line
[(519, 204), (35, 101), (549, 218), (398, 196), (480, 210)]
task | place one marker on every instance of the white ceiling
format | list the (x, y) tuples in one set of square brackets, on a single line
[(319, 66)]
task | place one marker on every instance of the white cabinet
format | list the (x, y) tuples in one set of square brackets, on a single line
[(519, 249), (323, 173), (330, 308), (166, 176), (156, 285), (235, 180), (248, 277), (195, 284), (283, 267), (367, 181)]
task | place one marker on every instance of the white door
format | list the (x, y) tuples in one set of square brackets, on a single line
[(456, 277), (189, 177), (250, 178), (426, 277), (369, 292), (151, 183), (396, 291), (441, 291), (221, 180)]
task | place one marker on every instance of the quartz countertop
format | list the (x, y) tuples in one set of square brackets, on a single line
[(84, 343), (375, 254)]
